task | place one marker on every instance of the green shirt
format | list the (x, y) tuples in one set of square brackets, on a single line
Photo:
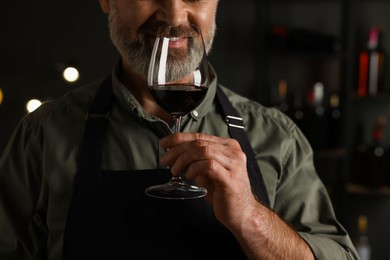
[(38, 166)]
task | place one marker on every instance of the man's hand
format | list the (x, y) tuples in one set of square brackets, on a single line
[(217, 164)]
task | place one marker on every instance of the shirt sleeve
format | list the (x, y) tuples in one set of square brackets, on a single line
[(302, 201), (22, 222)]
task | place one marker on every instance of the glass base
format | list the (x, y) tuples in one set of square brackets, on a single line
[(176, 189)]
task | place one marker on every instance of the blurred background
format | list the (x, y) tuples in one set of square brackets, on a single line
[(325, 63)]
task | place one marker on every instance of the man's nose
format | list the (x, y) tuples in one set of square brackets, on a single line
[(173, 12)]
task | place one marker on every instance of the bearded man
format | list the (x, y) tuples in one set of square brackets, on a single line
[(73, 175)]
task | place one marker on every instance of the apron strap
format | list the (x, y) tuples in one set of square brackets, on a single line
[(94, 135), (236, 131)]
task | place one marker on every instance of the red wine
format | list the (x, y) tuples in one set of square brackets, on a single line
[(178, 99)]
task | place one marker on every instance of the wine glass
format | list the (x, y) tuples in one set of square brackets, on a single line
[(178, 79)]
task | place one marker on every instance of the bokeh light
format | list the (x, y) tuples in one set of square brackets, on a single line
[(71, 74), (33, 104), (1, 96)]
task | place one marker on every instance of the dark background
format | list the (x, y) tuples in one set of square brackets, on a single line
[(38, 38)]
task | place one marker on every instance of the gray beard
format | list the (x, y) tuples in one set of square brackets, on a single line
[(137, 54)]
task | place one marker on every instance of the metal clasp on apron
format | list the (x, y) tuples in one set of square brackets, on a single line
[(234, 121)]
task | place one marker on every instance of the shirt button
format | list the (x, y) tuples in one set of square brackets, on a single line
[(195, 113)]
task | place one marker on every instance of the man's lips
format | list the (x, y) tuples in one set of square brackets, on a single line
[(178, 42), (174, 41)]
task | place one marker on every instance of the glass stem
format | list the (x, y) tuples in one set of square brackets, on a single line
[(177, 126), (176, 129)]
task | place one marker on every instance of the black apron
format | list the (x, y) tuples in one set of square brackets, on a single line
[(110, 217)]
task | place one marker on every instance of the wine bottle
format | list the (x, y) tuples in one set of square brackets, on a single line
[(376, 154), (370, 162), (335, 121), (316, 119), (298, 113), (281, 100), (371, 63), (363, 246), (359, 156)]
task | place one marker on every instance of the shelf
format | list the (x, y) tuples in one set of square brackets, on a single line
[(328, 1), (305, 1), (364, 190), (299, 42), (340, 152), (385, 97), (370, 1), (296, 46), (304, 54)]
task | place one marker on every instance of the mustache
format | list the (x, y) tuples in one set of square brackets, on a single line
[(165, 30)]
